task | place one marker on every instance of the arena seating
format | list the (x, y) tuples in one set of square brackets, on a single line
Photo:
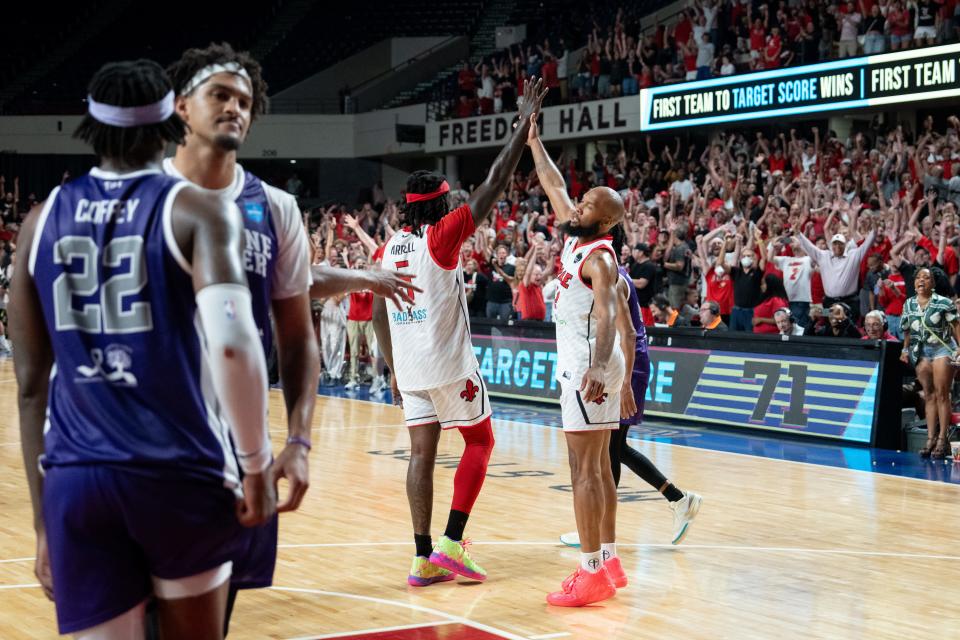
[(62, 90)]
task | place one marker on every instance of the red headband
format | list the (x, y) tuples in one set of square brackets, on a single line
[(419, 197)]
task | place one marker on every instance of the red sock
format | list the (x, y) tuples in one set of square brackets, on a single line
[(473, 465)]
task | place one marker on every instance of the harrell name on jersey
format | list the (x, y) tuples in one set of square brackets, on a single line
[(431, 339)]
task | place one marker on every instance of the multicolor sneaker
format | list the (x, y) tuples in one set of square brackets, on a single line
[(583, 588), (423, 573), (617, 575), (684, 511), (571, 539), (453, 556)]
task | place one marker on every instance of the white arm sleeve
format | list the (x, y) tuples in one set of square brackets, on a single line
[(238, 369)]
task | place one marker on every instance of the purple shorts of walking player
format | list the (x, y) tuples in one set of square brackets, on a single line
[(119, 534)]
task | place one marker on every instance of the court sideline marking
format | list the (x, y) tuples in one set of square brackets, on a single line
[(645, 545), (407, 605), (633, 545), (450, 617), (402, 627)]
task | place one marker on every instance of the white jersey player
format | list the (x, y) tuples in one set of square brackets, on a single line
[(590, 369), (428, 349), (432, 347), (577, 342)]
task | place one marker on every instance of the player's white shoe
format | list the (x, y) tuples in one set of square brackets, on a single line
[(684, 511), (571, 539), (352, 385), (378, 386)]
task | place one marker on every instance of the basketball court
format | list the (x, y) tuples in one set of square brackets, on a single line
[(781, 548)]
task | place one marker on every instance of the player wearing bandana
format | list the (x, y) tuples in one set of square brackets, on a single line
[(427, 346)]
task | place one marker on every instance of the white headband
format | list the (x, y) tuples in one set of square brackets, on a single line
[(211, 70), (116, 116)]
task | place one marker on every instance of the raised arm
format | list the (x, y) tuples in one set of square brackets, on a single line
[(368, 243), (531, 262), (808, 247), (896, 252), (550, 177), (483, 197)]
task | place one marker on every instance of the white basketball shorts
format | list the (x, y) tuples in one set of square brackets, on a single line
[(600, 414), (459, 404)]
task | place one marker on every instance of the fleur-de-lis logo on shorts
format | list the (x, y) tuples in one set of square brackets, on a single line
[(470, 392), (601, 399)]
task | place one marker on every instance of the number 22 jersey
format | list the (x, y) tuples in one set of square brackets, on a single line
[(130, 384)]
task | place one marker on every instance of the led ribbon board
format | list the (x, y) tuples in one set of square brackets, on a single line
[(890, 78), (714, 379)]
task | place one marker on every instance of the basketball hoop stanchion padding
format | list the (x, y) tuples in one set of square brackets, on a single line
[(848, 393)]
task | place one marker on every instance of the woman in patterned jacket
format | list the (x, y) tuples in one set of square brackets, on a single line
[(931, 336)]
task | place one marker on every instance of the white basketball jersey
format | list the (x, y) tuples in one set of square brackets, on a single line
[(573, 315), (431, 339)]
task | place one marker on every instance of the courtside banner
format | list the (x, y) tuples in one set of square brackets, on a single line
[(592, 119), (737, 380), (890, 78)]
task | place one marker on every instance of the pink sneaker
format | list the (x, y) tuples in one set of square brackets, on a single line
[(583, 588), (617, 574)]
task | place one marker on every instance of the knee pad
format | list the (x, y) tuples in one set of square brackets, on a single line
[(480, 436)]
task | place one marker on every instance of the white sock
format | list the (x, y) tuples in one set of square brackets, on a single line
[(591, 562), (608, 550)]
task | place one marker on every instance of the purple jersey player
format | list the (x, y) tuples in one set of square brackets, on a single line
[(135, 289)]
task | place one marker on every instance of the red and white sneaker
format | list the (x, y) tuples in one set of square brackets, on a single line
[(583, 588), (617, 575)]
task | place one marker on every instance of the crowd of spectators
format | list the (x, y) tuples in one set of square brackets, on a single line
[(802, 233), (709, 38), (823, 228), (15, 203)]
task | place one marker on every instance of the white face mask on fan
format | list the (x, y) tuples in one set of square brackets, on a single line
[(746, 263)]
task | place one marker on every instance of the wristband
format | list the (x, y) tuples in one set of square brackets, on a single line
[(299, 440), (257, 461)]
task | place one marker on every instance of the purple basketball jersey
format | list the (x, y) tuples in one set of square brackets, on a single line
[(128, 386)]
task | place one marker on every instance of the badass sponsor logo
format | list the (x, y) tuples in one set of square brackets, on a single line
[(409, 317)]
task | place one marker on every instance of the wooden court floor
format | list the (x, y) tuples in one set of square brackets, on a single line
[(780, 550)]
